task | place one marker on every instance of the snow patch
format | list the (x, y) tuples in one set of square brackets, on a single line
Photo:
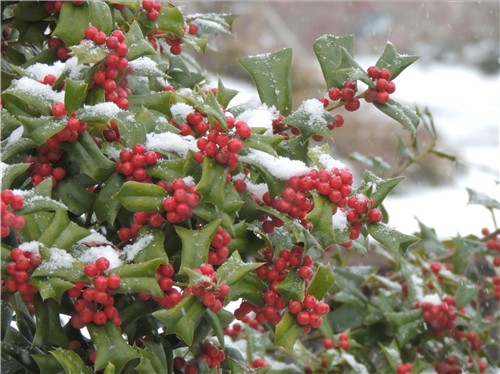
[(339, 220), (180, 111), (131, 250), (59, 259), (91, 254), (261, 116), (431, 299), (170, 142), (32, 247), (279, 166), (29, 86)]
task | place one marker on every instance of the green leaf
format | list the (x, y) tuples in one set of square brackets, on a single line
[(393, 61), (250, 288), (74, 96), (100, 16), (89, 157), (465, 292), (224, 95), (168, 170), (70, 361), (48, 364), (271, 73), (465, 250), (311, 119), (18, 348), (377, 188), (391, 353), (74, 194), (322, 281), (48, 326), (328, 52), (217, 322), (72, 22), (139, 277), (30, 11), (10, 172), (159, 101), (155, 248), (150, 363), (62, 233), (394, 240), (401, 113), (287, 332), (264, 143), (196, 244), (321, 219), (141, 197), (110, 347), (105, 207), (89, 53), (137, 45), (292, 287), (40, 129), (234, 269), (51, 287), (182, 319), (170, 20), (212, 182), (480, 198)]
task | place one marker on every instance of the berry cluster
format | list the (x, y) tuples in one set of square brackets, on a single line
[(288, 260), (451, 365), (383, 85), (140, 219), (496, 285), (151, 8), (132, 163), (19, 269), (114, 67), (361, 211), (441, 317), (73, 128), (212, 355), (95, 303), (258, 363), (182, 198), (346, 94), (493, 244), (211, 294), (233, 330), (219, 249), (171, 296), (273, 273), (308, 312), (43, 167), (9, 220), (404, 368), (223, 147), (62, 51)]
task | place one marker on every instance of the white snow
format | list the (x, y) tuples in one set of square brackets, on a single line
[(107, 109), (180, 111), (59, 259), (94, 238), (15, 135), (170, 142), (32, 247), (326, 160), (131, 250), (29, 86), (144, 64), (280, 167), (339, 220), (91, 254), (431, 299), (314, 110), (261, 116), (38, 71)]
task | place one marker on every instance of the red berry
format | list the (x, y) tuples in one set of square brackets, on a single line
[(373, 72), (58, 109), (114, 281), (193, 28), (90, 32), (99, 38), (102, 264)]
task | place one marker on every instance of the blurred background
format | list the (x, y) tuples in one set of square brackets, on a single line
[(457, 78)]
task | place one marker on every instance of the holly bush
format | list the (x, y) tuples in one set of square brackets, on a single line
[(150, 226)]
